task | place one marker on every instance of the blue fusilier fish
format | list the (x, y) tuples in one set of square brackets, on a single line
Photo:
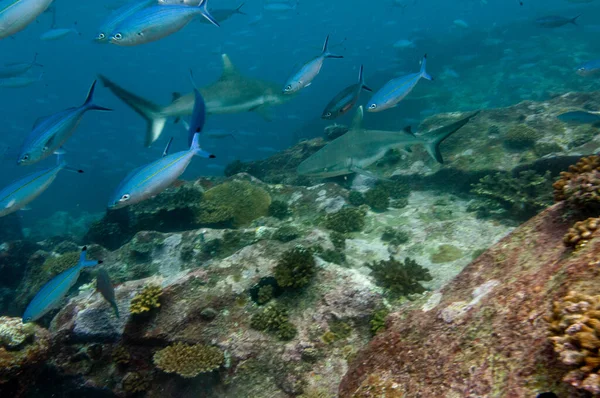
[(53, 292), (310, 70), (51, 132), (150, 180), (117, 16), (15, 15), (555, 21), (198, 113), (157, 22), (590, 68), (105, 287), (20, 193), (396, 89), (345, 100)]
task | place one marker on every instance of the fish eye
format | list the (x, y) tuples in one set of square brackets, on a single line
[(25, 157), (101, 36), (288, 87), (44, 149), (328, 114), (372, 106), (125, 197), (118, 36)]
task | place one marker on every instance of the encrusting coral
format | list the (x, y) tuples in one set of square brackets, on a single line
[(146, 300), (581, 233), (295, 268), (188, 360), (400, 278), (574, 329)]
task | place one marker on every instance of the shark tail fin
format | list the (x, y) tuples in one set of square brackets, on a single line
[(195, 147), (361, 79), (150, 111), (326, 52), (84, 262), (423, 72), (89, 101), (436, 137), (238, 10)]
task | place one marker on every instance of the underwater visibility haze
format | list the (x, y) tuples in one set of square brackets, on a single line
[(300, 198)]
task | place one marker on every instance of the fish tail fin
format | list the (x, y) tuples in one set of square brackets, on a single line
[(84, 262), (89, 101), (34, 62), (151, 112), (238, 10), (116, 309), (574, 20), (423, 72), (436, 137), (361, 79), (326, 52), (206, 14), (195, 147)]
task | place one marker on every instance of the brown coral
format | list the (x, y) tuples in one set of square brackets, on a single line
[(575, 333), (378, 386), (581, 233), (146, 300), (188, 360), (580, 183)]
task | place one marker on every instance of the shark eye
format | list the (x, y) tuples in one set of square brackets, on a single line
[(125, 197), (288, 87), (25, 157), (101, 36), (44, 149), (372, 106), (328, 114), (118, 36)]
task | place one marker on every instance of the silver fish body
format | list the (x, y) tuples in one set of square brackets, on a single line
[(346, 99), (396, 89), (17, 68), (51, 132), (52, 293), (307, 73), (157, 22), (117, 16), (15, 15)]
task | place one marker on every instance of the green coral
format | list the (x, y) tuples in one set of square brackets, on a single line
[(215, 214), (338, 240), (295, 268), (394, 236), (521, 136), (333, 256), (377, 320), (265, 294), (356, 198), (235, 167), (55, 265), (188, 360), (446, 254), (286, 233), (338, 330), (378, 198), (346, 220), (279, 209), (246, 201), (146, 300), (399, 278), (136, 382), (518, 197), (274, 318)]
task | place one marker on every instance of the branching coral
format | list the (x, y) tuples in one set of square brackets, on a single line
[(378, 198), (146, 300), (394, 236), (574, 329), (356, 198), (279, 209), (274, 318), (581, 233), (580, 186), (188, 360), (400, 278), (136, 382), (346, 220), (296, 268), (519, 197)]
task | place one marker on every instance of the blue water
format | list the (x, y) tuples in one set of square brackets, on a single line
[(108, 145)]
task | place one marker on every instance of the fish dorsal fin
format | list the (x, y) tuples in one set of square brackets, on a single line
[(229, 70), (358, 119), (39, 121), (408, 130), (175, 96)]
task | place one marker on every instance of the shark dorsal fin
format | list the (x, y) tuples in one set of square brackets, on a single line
[(229, 69), (358, 119)]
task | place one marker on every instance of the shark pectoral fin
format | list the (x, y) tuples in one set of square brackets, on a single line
[(265, 112), (156, 124)]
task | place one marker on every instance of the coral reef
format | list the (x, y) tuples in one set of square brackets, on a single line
[(519, 197), (279, 209), (286, 233), (521, 136), (247, 201), (295, 268), (346, 220), (378, 198), (378, 386), (399, 278), (394, 236), (446, 254), (146, 300), (188, 360), (265, 294), (574, 328), (355, 198), (136, 382), (377, 321), (580, 186), (274, 318), (580, 234)]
